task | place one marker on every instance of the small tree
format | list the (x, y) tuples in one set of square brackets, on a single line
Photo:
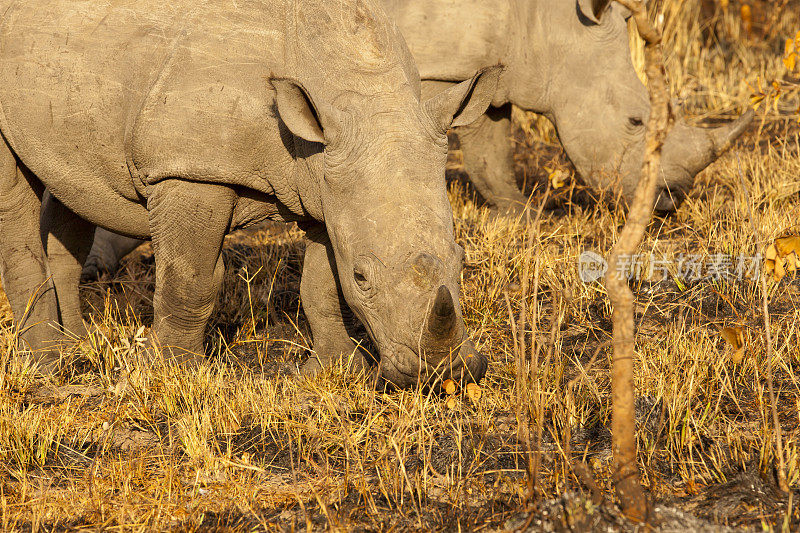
[(623, 424)]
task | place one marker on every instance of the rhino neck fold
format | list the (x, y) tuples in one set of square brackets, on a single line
[(529, 77), (302, 194)]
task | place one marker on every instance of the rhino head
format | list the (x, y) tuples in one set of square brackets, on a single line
[(381, 193), (582, 78)]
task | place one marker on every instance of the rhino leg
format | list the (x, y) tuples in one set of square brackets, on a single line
[(67, 240), (489, 159), (107, 251), (23, 264), (327, 312), (188, 222)]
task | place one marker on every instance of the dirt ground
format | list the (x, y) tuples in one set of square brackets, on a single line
[(242, 444)]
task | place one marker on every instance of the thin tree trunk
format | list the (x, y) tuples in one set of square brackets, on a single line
[(623, 424)]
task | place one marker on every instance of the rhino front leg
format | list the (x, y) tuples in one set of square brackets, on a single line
[(489, 159), (188, 222), (107, 251), (23, 264), (67, 240), (327, 312)]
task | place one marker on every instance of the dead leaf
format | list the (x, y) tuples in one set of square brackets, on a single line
[(474, 392), (747, 19), (449, 386), (451, 403), (792, 52), (783, 257), (558, 178), (735, 338)]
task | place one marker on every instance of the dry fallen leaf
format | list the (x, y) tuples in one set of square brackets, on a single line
[(473, 391), (747, 19), (783, 257), (449, 386), (558, 178), (451, 402), (735, 338)]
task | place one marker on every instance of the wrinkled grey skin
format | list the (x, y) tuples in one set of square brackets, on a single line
[(181, 121), (562, 61)]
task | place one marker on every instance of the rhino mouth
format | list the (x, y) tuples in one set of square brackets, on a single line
[(669, 199), (402, 366), (440, 350)]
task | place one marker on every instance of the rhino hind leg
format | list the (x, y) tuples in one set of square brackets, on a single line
[(188, 223), (106, 252), (23, 265), (489, 160), (67, 240), (327, 312)]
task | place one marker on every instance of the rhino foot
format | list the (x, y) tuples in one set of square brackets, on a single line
[(355, 362), (48, 363), (508, 210)]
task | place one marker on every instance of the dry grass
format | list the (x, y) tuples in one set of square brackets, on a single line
[(240, 445)]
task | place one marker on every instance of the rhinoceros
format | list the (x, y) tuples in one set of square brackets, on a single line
[(180, 121), (569, 60)]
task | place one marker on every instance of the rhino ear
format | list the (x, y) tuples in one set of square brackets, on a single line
[(300, 113), (593, 9), (464, 103)]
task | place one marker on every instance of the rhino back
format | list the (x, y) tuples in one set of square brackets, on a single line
[(451, 39), (103, 99), (100, 99)]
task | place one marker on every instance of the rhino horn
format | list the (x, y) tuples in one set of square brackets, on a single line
[(706, 145), (688, 150), (442, 318), (722, 137)]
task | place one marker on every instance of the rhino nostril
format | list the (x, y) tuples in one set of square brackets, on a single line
[(669, 199), (424, 268)]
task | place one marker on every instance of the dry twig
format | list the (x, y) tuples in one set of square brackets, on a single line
[(623, 425)]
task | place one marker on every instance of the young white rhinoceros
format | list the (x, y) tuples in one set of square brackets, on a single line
[(180, 121), (562, 61), (569, 60)]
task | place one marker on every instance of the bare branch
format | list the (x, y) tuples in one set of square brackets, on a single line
[(638, 10), (623, 424)]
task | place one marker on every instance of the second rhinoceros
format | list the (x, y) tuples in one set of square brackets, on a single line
[(181, 121), (569, 60)]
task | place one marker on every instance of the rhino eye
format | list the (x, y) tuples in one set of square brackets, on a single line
[(360, 278), (636, 122)]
